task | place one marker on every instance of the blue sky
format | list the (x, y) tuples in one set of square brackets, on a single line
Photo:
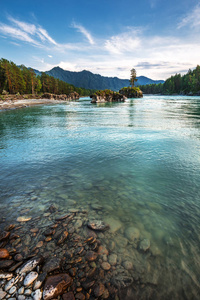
[(109, 37)]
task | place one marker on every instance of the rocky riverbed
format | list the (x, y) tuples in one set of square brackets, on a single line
[(56, 256)]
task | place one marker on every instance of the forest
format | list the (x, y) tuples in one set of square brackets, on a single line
[(20, 79), (188, 84)]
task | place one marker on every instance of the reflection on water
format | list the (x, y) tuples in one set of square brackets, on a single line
[(134, 164)]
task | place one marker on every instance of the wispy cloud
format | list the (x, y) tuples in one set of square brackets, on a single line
[(124, 42), (192, 19), (17, 34), (84, 31), (27, 32)]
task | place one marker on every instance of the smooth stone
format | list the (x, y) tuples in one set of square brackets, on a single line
[(102, 250), (30, 278), (52, 264), (55, 285), (30, 265), (2, 294), (105, 266), (114, 224), (88, 186), (23, 219), (112, 259), (21, 297), (49, 231), (68, 296), (27, 292), (98, 225), (18, 257), (99, 289), (4, 264), (128, 265), (12, 290), (96, 206), (21, 290), (144, 245), (80, 296), (37, 295), (63, 237), (132, 234), (78, 224), (63, 217), (9, 284), (88, 284), (121, 241), (39, 244), (91, 256), (4, 253), (41, 278), (5, 275)]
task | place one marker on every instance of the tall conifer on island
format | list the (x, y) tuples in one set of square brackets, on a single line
[(133, 78)]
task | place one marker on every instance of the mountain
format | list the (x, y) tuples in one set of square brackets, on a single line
[(88, 80)]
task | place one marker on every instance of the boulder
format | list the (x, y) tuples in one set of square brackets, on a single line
[(56, 285), (4, 253), (52, 264)]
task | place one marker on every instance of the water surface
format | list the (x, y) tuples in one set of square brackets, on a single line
[(138, 160)]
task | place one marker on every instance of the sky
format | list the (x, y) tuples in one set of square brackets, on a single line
[(108, 37)]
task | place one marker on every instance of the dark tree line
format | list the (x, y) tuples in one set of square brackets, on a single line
[(22, 80), (177, 84)]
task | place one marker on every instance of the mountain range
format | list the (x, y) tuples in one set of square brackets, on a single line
[(88, 80)]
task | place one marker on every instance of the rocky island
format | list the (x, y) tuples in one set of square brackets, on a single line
[(131, 92), (107, 96)]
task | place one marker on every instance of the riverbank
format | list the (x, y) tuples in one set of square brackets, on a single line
[(20, 101), (13, 104)]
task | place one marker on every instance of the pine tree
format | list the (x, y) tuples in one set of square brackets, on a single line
[(133, 78)]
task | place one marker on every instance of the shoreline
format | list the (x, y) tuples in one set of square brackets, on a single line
[(14, 104)]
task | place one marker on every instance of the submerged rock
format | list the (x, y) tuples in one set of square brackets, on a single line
[(98, 225), (112, 259), (30, 278), (5, 275), (4, 253), (56, 285), (144, 245), (99, 289), (2, 294), (23, 219), (37, 295), (132, 234), (114, 224), (52, 265), (30, 265)]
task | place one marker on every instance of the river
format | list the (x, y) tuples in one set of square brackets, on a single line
[(134, 165)]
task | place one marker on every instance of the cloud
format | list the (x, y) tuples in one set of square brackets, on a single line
[(30, 33), (81, 29), (29, 28), (124, 42), (192, 19), (43, 34), (18, 34)]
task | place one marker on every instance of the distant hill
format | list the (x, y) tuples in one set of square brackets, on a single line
[(88, 80)]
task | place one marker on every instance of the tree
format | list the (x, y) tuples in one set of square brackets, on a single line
[(133, 77)]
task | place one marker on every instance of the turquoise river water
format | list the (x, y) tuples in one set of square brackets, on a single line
[(134, 165)]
